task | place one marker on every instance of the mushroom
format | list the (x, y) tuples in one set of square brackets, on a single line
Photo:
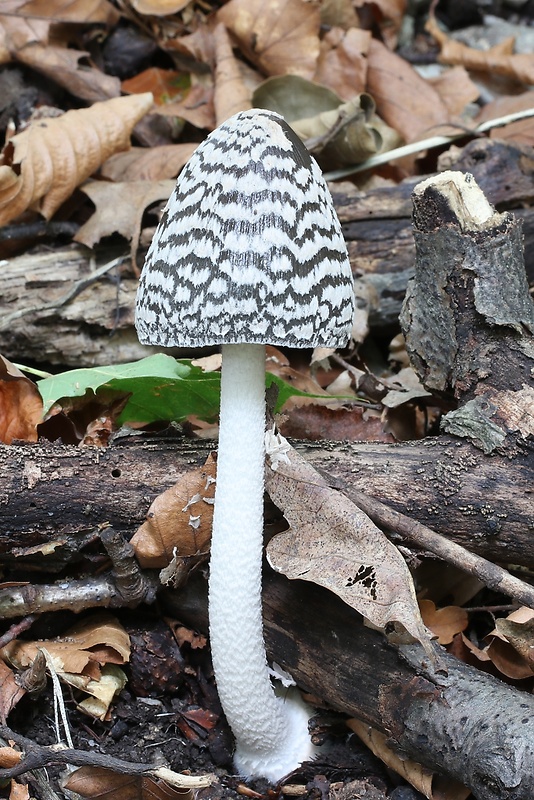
[(249, 252)]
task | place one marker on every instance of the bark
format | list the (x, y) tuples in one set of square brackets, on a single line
[(468, 318), (454, 719), (95, 326), (58, 495)]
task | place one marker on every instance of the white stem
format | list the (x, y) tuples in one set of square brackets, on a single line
[(271, 733)]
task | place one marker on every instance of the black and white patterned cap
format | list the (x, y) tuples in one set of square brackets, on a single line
[(249, 248)]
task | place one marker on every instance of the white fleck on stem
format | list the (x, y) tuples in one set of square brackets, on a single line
[(271, 732)]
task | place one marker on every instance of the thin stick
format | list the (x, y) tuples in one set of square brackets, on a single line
[(493, 576)]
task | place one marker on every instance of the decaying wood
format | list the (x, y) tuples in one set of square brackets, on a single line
[(54, 497), (455, 719), (96, 327), (468, 318)]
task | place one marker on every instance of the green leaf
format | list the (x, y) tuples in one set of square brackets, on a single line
[(160, 388)]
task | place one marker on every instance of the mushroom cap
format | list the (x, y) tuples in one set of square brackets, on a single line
[(249, 248)]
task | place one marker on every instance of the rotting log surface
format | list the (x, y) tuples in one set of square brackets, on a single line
[(62, 493), (456, 720)]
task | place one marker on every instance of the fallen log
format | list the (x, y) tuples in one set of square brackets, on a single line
[(454, 719), (54, 497)]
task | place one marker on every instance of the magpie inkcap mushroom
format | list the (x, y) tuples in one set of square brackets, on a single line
[(249, 252)]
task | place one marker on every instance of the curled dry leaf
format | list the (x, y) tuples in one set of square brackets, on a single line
[(41, 167), (61, 65), (86, 657), (180, 519), (511, 645), (334, 544), (21, 405), (159, 8), (279, 38)]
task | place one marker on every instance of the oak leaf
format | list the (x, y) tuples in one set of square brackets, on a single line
[(128, 201), (41, 167), (332, 543)]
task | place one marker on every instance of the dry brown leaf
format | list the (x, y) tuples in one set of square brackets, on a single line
[(61, 65), (41, 167), (10, 692), (389, 18), (103, 784), (315, 422), (521, 131), (511, 645), (197, 108), (19, 791), (407, 102), (21, 405), (444, 622), (334, 544), (421, 778), (231, 95), (456, 89), (160, 8), (86, 657), (279, 36), (148, 163), (128, 201), (16, 33), (342, 63), (9, 757), (498, 60), (338, 13), (63, 10), (180, 519)]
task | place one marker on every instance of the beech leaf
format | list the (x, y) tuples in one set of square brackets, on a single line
[(41, 167), (332, 543)]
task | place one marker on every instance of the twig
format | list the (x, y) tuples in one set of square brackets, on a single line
[(493, 576), (15, 630), (96, 591), (37, 756)]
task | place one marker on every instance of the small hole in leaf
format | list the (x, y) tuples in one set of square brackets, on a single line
[(116, 473)]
